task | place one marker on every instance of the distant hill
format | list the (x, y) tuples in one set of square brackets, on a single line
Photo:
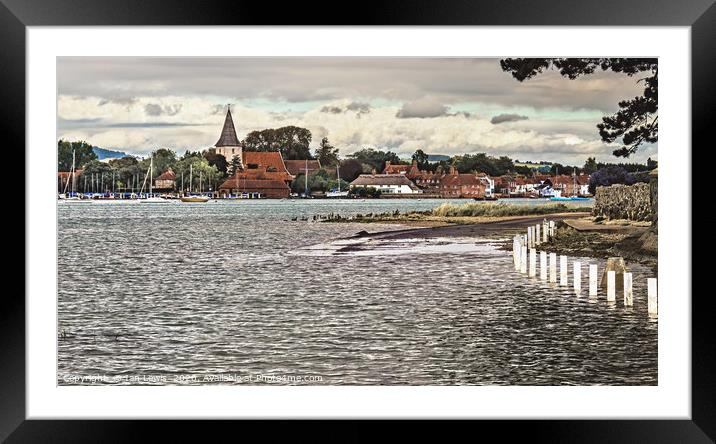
[(437, 157), (103, 154)]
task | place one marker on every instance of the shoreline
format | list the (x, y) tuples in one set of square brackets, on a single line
[(597, 240)]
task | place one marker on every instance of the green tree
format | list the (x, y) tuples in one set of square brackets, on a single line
[(375, 159), (291, 141), (590, 165), (636, 122), (421, 158), (83, 154), (216, 160), (350, 169), (326, 153), (127, 171)]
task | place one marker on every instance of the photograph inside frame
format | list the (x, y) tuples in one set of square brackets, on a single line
[(357, 221)]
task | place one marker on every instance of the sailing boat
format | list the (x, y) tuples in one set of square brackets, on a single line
[(152, 198), (337, 193), (73, 197), (194, 197)]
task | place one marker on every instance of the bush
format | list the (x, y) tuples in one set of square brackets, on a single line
[(502, 209), (613, 174)]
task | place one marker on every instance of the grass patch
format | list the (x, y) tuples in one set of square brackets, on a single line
[(489, 209)]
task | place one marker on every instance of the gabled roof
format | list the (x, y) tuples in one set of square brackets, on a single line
[(266, 160), (228, 133), (167, 175), (296, 167)]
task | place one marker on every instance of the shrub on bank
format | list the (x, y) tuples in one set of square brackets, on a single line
[(502, 209)]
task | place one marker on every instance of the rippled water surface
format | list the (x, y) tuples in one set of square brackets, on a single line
[(238, 292)]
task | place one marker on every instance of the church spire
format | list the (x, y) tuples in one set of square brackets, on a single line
[(228, 134)]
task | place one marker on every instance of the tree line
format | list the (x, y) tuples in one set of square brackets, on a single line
[(211, 169)]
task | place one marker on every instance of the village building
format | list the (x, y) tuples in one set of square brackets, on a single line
[(456, 185), (228, 144), (296, 167), (410, 171), (260, 173), (165, 181), (387, 183)]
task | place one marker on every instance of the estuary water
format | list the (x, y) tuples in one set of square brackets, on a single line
[(237, 292)]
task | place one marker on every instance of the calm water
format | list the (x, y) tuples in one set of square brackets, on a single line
[(238, 293)]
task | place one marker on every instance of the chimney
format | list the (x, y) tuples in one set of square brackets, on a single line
[(452, 170), (415, 162), (387, 163)]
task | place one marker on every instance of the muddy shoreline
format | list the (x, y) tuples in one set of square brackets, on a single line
[(602, 243)]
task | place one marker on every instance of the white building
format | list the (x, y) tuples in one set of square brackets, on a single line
[(387, 183)]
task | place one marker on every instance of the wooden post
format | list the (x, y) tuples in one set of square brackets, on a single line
[(551, 229), (544, 230), (533, 262), (592, 280), (577, 276), (523, 259), (563, 270), (543, 265), (652, 296), (628, 294), (516, 252), (553, 267), (611, 284)]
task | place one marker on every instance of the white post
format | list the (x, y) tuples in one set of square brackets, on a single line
[(553, 267), (577, 276), (538, 238), (543, 265), (516, 252), (611, 285), (563, 270), (551, 228), (530, 238), (652, 290), (592, 280), (544, 230), (523, 259), (533, 262), (628, 294)]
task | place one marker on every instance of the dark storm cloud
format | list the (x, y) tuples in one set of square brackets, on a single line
[(502, 118), (448, 80)]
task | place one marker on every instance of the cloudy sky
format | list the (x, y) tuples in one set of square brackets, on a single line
[(440, 105)]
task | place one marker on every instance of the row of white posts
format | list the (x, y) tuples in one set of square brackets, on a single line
[(525, 258)]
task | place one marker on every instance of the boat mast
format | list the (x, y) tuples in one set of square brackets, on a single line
[(305, 189), (151, 174), (190, 177), (338, 173), (72, 173)]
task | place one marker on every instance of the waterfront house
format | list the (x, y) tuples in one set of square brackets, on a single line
[(387, 183), (410, 171), (458, 185), (165, 181)]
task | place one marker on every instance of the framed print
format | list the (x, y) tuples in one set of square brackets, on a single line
[(434, 212)]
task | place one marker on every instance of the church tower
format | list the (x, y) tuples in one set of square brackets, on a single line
[(228, 144)]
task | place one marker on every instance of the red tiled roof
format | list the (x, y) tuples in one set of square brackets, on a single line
[(296, 167), (167, 175), (254, 185), (265, 159)]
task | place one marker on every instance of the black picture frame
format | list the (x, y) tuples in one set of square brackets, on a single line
[(700, 15)]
